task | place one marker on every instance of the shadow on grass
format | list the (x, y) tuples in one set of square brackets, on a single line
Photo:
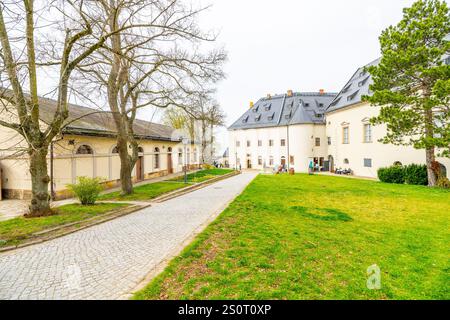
[(324, 214)]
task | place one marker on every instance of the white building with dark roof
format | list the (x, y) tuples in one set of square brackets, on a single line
[(333, 130), (286, 130), (353, 141)]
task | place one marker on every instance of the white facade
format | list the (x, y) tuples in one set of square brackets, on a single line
[(361, 146), (295, 146), (347, 141)]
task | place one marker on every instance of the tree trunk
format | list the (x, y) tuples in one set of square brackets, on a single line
[(125, 166), (430, 157), (40, 201)]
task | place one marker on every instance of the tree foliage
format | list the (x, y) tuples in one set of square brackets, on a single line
[(412, 81)]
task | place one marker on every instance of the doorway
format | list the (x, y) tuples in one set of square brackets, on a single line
[(140, 169), (249, 163), (331, 163), (169, 162), (283, 161)]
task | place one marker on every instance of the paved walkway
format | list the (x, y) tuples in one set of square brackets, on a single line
[(109, 260)]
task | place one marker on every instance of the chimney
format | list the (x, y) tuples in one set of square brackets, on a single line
[(290, 93), (321, 91), (251, 104), (269, 96)]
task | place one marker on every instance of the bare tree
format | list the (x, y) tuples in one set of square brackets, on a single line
[(66, 30), (147, 66), (204, 113)]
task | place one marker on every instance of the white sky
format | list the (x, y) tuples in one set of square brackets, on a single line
[(303, 45)]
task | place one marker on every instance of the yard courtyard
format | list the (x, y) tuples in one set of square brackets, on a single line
[(314, 237)]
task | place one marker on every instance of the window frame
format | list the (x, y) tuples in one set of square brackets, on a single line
[(346, 135)]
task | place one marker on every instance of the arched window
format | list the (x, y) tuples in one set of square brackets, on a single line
[(140, 150), (346, 161), (398, 163), (85, 149), (169, 150), (180, 156), (156, 158), (115, 150)]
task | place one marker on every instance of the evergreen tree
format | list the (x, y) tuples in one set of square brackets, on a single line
[(412, 81)]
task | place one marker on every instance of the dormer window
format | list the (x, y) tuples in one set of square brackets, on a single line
[(245, 120), (288, 116), (258, 118), (320, 105), (335, 102), (268, 107), (362, 83), (271, 117), (306, 104), (352, 96), (256, 109), (346, 88)]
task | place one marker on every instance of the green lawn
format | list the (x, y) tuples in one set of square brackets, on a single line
[(153, 190), (145, 192), (204, 175), (314, 237), (15, 231)]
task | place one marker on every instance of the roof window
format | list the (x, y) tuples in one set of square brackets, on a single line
[(245, 120)]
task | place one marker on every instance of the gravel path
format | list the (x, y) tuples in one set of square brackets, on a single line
[(109, 260)]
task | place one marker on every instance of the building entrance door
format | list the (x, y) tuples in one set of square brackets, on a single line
[(140, 169), (169, 163)]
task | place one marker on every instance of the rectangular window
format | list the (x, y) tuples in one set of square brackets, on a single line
[(270, 143), (317, 142), (283, 142), (329, 141), (260, 162), (367, 133), (345, 138), (271, 161), (180, 157), (259, 143), (368, 163), (238, 144), (291, 160), (248, 143)]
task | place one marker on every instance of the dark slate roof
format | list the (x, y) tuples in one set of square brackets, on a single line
[(354, 89), (358, 86), (87, 121), (282, 110)]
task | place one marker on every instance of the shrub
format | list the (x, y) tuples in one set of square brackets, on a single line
[(206, 166), (393, 174), (87, 190), (443, 182), (416, 174)]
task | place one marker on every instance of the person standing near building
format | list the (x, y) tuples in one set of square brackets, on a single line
[(311, 167)]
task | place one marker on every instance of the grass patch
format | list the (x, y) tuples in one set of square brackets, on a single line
[(15, 231), (314, 237), (144, 192), (203, 175)]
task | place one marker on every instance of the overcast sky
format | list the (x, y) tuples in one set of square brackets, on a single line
[(303, 45)]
